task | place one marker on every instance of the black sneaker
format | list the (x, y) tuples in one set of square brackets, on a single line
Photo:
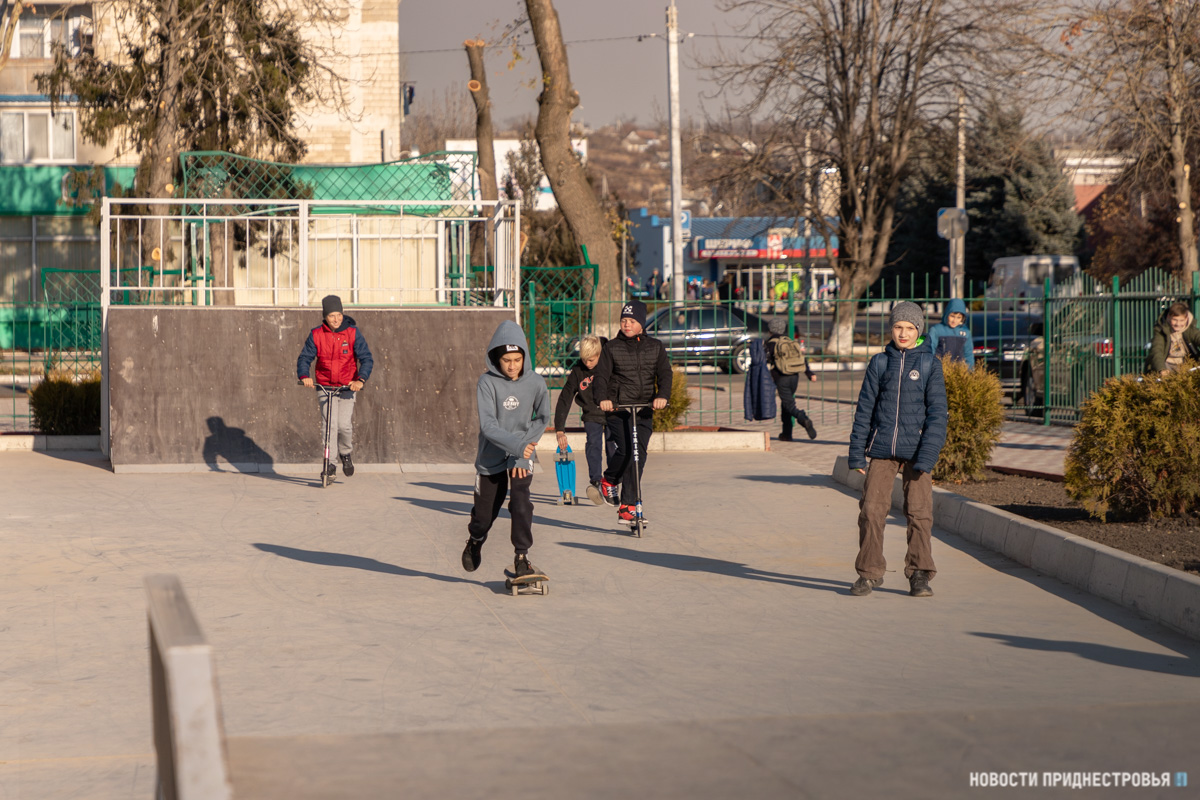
[(522, 567), (808, 426), (863, 586), (347, 465), (593, 493), (472, 554), (785, 437), (331, 470), (610, 492), (918, 584)]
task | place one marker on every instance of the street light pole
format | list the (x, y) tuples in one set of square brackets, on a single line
[(677, 285), (960, 199)]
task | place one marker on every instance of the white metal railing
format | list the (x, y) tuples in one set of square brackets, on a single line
[(291, 253)]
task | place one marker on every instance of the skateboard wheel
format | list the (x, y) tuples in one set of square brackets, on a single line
[(545, 588)]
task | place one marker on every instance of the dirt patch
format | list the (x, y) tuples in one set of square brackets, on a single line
[(1172, 542)]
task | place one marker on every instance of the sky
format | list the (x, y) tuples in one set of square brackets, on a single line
[(623, 79)]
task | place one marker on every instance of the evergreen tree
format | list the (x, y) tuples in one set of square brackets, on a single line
[(1018, 200)]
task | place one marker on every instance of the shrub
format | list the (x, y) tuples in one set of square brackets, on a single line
[(976, 413), (64, 407), (669, 418), (1136, 451)]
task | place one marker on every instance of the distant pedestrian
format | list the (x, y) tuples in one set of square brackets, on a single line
[(786, 358), (706, 290), (951, 337), (900, 424), (1175, 340), (652, 285)]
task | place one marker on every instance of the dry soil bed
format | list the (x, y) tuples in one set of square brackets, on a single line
[(1173, 542)]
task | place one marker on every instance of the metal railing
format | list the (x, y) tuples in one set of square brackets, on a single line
[(291, 253)]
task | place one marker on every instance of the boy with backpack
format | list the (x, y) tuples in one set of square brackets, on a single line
[(786, 358), (900, 424)]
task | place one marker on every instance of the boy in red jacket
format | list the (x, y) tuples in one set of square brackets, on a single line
[(343, 359)]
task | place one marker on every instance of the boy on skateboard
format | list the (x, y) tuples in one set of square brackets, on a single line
[(578, 388), (343, 359), (633, 368), (900, 424), (514, 409)]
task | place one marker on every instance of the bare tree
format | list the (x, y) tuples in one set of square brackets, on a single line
[(854, 79), (1138, 65), (584, 213), (485, 147)]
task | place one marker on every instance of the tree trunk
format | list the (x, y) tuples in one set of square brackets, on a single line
[(1177, 98), (158, 165), (481, 252), (580, 206)]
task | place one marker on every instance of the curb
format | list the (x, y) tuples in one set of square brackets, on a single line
[(677, 441), (1160, 593), (38, 442)]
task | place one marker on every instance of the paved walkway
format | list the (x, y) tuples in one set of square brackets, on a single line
[(720, 656)]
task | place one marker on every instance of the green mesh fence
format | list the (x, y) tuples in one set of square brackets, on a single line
[(444, 177), (558, 305)]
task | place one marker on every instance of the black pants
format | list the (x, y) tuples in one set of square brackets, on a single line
[(786, 386), (621, 433), (489, 499)]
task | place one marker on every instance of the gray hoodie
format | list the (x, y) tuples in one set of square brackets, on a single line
[(512, 414)]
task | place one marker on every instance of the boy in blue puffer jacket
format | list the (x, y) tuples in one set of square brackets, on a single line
[(900, 424), (951, 337)]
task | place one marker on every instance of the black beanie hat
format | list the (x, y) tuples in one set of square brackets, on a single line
[(635, 309), (331, 304)]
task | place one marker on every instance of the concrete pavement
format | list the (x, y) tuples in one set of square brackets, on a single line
[(720, 656)]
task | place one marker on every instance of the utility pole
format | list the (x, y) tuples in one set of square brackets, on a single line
[(677, 284), (958, 245), (399, 77)]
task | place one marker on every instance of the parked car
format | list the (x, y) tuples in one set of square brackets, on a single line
[(1001, 339), (1082, 357), (706, 333)]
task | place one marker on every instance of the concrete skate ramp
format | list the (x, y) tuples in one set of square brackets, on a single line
[(217, 387)]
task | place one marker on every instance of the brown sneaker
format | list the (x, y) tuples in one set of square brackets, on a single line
[(863, 586)]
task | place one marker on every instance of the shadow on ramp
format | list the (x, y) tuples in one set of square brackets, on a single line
[(356, 562), (716, 566), (1180, 664)]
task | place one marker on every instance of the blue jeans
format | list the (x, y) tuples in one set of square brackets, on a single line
[(595, 449)]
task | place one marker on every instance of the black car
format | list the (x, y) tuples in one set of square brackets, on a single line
[(1001, 339), (707, 333)]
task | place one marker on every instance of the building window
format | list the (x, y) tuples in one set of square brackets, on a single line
[(33, 137), (39, 30)]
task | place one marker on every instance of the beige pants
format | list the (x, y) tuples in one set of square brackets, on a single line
[(874, 508)]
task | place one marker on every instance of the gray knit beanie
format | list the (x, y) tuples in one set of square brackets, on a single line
[(777, 326), (908, 312)]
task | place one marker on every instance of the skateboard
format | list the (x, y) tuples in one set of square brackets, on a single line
[(564, 469), (536, 583)]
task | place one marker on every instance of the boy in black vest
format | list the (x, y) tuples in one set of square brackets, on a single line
[(633, 368)]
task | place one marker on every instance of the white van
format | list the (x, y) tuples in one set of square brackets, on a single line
[(1022, 278)]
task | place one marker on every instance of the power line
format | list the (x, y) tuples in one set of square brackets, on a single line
[(522, 45)]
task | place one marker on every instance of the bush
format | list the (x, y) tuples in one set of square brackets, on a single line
[(1136, 451), (64, 407), (669, 418), (976, 414)]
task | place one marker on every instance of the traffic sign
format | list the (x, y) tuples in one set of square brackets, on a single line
[(952, 223)]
